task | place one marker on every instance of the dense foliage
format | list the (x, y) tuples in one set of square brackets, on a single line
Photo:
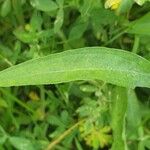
[(79, 115)]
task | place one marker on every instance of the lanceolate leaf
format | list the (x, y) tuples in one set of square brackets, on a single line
[(110, 65)]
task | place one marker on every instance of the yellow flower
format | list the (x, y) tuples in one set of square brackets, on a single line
[(33, 96), (113, 4), (27, 27)]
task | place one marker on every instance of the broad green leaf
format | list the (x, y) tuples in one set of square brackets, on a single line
[(140, 26), (21, 143), (6, 8), (44, 5), (110, 65)]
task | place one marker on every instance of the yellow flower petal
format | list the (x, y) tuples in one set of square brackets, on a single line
[(33, 96), (113, 4)]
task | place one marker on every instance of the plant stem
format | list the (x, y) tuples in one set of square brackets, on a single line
[(62, 136), (118, 117), (136, 44), (6, 60), (115, 37), (22, 104)]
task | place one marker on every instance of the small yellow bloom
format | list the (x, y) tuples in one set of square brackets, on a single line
[(113, 4), (33, 96), (27, 27)]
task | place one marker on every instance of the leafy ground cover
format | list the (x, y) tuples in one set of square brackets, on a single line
[(105, 102)]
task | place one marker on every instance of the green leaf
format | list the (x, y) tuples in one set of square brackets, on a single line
[(147, 143), (78, 29), (18, 11), (6, 8), (60, 3), (125, 6), (101, 16), (44, 5), (21, 143), (141, 2), (140, 26), (24, 36), (3, 135), (81, 64), (3, 103), (36, 21)]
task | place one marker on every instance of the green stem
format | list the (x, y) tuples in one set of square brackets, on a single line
[(136, 44), (6, 60), (19, 102), (62, 136), (115, 37), (119, 107)]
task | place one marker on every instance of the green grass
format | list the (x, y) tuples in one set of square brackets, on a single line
[(83, 77)]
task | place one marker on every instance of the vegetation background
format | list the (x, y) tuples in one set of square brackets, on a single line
[(75, 115)]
